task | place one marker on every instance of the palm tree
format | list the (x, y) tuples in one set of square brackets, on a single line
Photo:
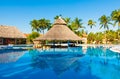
[(57, 16), (98, 37), (81, 32), (91, 23), (104, 22), (91, 37), (44, 24), (67, 20), (115, 15), (32, 36), (76, 24), (35, 25)]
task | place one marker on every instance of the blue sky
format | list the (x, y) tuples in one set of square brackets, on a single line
[(19, 13)]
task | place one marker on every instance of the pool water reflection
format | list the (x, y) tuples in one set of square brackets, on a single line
[(65, 63)]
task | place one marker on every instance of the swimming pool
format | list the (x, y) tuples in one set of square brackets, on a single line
[(60, 63)]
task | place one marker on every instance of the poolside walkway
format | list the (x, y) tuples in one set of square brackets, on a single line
[(115, 49)]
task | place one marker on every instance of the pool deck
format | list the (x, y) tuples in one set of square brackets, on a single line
[(114, 48), (16, 46), (108, 45)]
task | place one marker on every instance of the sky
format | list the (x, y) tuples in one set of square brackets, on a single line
[(19, 13)]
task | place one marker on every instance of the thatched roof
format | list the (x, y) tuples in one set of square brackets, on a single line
[(59, 31), (59, 21), (10, 32)]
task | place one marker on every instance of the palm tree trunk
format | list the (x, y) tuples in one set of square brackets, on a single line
[(118, 33), (105, 38), (43, 32)]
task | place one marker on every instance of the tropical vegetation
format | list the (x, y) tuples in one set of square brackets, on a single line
[(77, 26), (115, 15), (104, 22), (40, 25), (32, 36), (91, 23)]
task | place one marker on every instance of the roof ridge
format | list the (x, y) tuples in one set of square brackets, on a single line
[(6, 26), (59, 21)]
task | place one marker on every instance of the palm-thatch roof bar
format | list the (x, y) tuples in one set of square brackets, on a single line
[(59, 31), (10, 32)]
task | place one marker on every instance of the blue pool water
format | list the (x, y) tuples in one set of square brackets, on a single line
[(63, 63)]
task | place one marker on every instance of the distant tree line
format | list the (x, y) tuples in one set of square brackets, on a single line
[(76, 24)]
